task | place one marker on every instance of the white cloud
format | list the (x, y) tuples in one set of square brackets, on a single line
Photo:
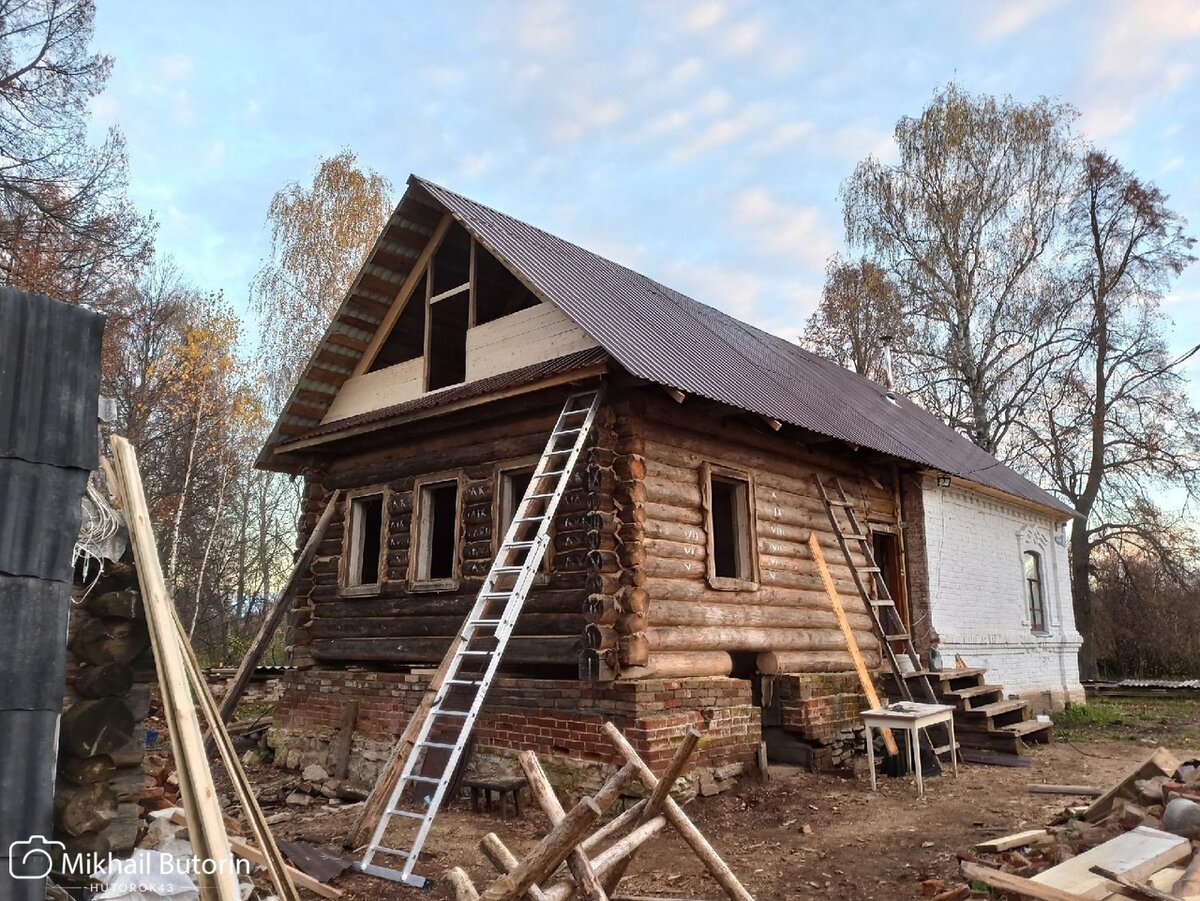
[(1010, 16), (786, 135), (686, 71), (182, 111), (215, 155), (586, 118), (704, 16), (545, 25), (173, 67), (718, 133), (791, 232), (1141, 57), (744, 37), (252, 109)]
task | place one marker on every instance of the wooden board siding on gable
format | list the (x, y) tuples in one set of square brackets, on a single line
[(529, 336), (379, 389)]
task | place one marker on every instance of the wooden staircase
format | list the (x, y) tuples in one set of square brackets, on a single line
[(983, 717)]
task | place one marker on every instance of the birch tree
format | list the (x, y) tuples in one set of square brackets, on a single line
[(320, 236), (965, 224)]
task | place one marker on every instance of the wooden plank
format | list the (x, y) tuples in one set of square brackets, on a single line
[(1086, 791), (1135, 855), (283, 603), (992, 758), (1134, 889), (247, 851), (402, 295), (341, 754), (1016, 840), (1011, 882), (377, 390), (1161, 762), (864, 675), (195, 778), (453, 292)]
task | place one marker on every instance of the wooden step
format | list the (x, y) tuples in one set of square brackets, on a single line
[(976, 694), (1030, 730), (994, 709)]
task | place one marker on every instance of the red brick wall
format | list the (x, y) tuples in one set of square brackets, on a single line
[(552, 718)]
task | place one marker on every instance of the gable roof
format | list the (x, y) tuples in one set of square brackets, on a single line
[(663, 336)]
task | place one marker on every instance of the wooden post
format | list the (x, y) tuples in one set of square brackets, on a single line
[(546, 857), (505, 862), (464, 888), (610, 857), (273, 617), (543, 792), (208, 836), (680, 821), (864, 676), (658, 797), (341, 754)]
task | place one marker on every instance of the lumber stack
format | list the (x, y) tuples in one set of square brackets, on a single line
[(102, 739), (575, 859)]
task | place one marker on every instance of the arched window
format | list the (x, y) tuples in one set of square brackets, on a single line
[(1034, 595)]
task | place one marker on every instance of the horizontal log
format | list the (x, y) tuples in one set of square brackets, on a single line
[(633, 650), (671, 530), (601, 609), (688, 516), (417, 626), (775, 662), (680, 664), (660, 547), (633, 600), (551, 649), (599, 638), (690, 613), (540, 600), (739, 638)]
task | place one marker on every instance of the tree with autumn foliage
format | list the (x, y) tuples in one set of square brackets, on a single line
[(320, 237)]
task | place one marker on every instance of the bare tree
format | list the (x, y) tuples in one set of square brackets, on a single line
[(859, 308), (66, 225), (320, 236), (1114, 430), (964, 224)]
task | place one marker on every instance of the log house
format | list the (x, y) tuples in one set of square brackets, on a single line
[(679, 587)]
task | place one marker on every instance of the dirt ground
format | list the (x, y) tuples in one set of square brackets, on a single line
[(857, 845)]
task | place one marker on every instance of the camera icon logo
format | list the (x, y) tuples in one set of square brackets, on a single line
[(34, 857)]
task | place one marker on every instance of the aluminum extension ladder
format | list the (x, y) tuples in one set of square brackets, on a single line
[(475, 654), (889, 627)]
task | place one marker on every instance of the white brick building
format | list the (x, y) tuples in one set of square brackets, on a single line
[(978, 550)]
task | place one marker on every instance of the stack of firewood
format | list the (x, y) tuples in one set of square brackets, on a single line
[(102, 740)]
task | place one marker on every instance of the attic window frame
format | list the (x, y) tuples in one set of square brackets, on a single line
[(500, 514), (420, 535), (352, 546), (748, 528)]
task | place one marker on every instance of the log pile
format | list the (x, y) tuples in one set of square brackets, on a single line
[(102, 740), (572, 860)]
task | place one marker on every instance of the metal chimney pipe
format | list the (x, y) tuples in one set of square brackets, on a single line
[(886, 341)]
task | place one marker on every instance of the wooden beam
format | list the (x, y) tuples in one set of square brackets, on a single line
[(195, 778), (397, 307), (774, 424), (453, 292), (1016, 840), (473, 281), (679, 820), (675, 394), (550, 852), (864, 675), (272, 619)]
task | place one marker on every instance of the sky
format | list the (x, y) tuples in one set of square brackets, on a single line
[(702, 143)]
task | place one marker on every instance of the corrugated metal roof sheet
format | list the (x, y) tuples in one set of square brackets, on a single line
[(27, 740), (666, 337), (40, 512), (529, 374), (34, 613), (49, 380)]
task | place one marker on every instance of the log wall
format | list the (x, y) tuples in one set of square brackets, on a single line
[(628, 593), (672, 614), (404, 624)]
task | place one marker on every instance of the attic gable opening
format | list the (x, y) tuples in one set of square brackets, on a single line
[(499, 292), (406, 341)]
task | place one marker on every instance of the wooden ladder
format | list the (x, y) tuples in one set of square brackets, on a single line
[(427, 755), (881, 608)]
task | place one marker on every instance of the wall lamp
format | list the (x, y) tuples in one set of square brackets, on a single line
[(943, 481)]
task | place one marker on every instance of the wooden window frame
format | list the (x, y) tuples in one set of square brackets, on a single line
[(417, 537), (728, 583), (503, 469), (1040, 572), (352, 550)]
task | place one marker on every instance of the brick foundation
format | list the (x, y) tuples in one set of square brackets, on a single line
[(559, 720), (824, 710)]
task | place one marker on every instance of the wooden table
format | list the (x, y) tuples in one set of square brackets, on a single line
[(911, 717)]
